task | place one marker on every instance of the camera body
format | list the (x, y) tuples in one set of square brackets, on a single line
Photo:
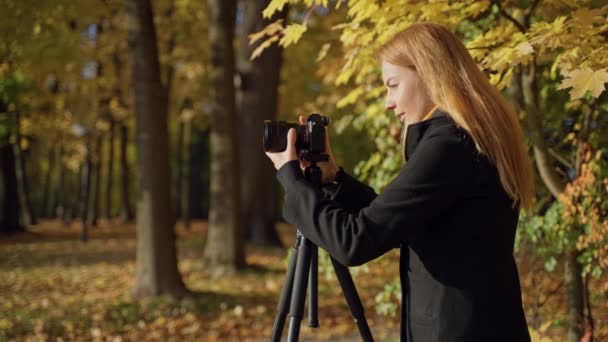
[(310, 137)]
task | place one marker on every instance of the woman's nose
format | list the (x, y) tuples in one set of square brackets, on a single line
[(389, 106)]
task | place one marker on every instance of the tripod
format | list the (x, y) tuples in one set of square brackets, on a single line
[(304, 259)]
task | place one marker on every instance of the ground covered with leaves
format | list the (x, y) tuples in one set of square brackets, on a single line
[(54, 287)]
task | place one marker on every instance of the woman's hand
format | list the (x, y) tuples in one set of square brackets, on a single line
[(280, 158), (328, 168)]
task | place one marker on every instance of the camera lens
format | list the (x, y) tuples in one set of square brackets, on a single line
[(275, 135)]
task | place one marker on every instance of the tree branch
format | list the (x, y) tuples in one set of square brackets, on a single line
[(310, 10), (560, 158), (552, 292), (527, 91), (504, 13), (529, 13)]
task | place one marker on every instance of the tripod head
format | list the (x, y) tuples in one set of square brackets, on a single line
[(313, 173)]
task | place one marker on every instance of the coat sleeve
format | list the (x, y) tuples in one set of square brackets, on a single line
[(351, 194), (432, 180)]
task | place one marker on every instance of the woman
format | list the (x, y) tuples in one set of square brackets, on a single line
[(453, 208)]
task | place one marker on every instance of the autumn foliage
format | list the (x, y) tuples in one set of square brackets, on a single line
[(64, 68)]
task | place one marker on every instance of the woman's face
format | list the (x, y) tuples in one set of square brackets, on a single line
[(406, 94)]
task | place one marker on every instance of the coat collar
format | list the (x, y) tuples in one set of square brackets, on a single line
[(416, 131)]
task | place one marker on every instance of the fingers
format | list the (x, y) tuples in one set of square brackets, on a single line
[(291, 140), (291, 137)]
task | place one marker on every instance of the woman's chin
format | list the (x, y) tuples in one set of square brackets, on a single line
[(408, 120)]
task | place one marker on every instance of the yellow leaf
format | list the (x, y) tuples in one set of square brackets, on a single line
[(323, 52), (583, 80), (269, 30), (588, 16), (361, 10), (351, 97), (292, 34), (102, 125), (477, 7), (258, 51), (506, 80), (495, 78), (274, 6), (545, 326), (525, 48)]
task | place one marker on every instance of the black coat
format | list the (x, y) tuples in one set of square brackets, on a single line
[(455, 225)]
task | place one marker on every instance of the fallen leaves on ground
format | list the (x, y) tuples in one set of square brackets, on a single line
[(54, 286)]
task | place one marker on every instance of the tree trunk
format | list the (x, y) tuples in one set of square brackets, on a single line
[(258, 101), (10, 222), (125, 199), (85, 185), (48, 179), (61, 191), (96, 191), (25, 204), (541, 153), (157, 271), (575, 292), (169, 67), (197, 179), (109, 172), (75, 208), (590, 317), (577, 288), (179, 170), (126, 210), (526, 92), (170, 72), (224, 247), (186, 174), (55, 179), (70, 189)]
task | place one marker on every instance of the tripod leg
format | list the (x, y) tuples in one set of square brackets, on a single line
[(283, 306), (298, 296), (352, 299), (313, 293)]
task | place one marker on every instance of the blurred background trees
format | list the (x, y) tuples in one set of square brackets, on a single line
[(110, 113)]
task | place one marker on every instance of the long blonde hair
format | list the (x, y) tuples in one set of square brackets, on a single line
[(455, 83)]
